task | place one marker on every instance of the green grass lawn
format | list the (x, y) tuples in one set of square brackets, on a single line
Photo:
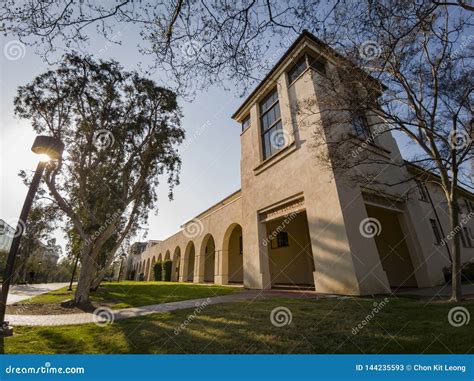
[(403, 325), (135, 294)]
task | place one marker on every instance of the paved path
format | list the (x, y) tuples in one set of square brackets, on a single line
[(25, 291), (104, 315), (436, 292)]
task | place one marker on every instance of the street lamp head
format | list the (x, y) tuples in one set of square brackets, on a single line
[(48, 147)]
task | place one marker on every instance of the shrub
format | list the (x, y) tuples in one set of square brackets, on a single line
[(167, 266), (467, 272), (158, 269)]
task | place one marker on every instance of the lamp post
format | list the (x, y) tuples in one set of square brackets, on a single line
[(122, 256), (48, 148)]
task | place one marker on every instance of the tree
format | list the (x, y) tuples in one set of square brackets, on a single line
[(41, 223), (121, 133)]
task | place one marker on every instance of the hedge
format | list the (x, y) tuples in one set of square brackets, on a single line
[(158, 269), (167, 266)]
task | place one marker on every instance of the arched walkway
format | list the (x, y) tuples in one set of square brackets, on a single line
[(232, 256), (208, 253), (147, 270), (167, 256), (289, 251), (152, 269), (188, 262), (175, 269)]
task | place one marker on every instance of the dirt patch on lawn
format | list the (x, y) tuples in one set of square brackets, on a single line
[(66, 307), (47, 309)]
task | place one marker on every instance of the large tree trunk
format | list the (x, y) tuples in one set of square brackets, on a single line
[(102, 272), (456, 293), (85, 277)]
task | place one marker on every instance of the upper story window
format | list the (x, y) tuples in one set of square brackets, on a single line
[(361, 126), (422, 190), (465, 237), (246, 123), (317, 64), (297, 69), (305, 61), (436, 232), (469, 206), (272, 129)]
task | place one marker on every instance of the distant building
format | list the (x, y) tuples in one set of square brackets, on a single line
[(7, 233)]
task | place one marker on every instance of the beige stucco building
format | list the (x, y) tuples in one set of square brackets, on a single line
[(296, 223)]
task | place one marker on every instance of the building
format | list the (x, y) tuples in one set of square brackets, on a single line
[(7, 233), (293, 223)]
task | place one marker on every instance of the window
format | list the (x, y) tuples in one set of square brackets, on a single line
[(300, 66), (436, 232), (297, 69), (246, 123), (272, 129), (361, 126), (469, 206), (422, 190), (465, 237), (281, 240), (317, 64)]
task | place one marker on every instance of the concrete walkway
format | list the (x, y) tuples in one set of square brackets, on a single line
[(18, 293), (443, 291), (104, 315)]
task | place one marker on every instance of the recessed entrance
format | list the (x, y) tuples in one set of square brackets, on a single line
[(209, 258), (233, 254), (393, 250), (189, 257), (289, 251)]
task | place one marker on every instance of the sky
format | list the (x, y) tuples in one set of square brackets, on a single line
[(210, 156)]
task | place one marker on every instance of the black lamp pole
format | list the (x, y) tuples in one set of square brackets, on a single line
[(43, 145), (73, 272), (121, 267)]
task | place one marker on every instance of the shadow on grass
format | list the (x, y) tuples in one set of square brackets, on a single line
[(317, 326)]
